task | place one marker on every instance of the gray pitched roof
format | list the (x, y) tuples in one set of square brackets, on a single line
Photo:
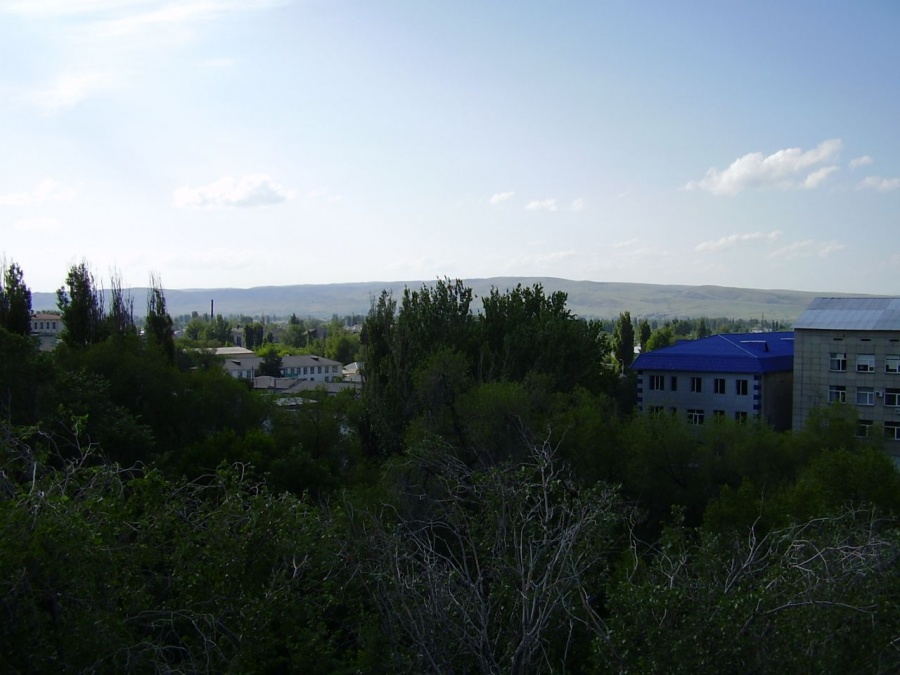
[(851, 314)]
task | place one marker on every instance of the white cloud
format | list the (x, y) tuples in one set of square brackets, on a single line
[(501, 197), (735, 240), (816, 178), (878, 183), (248, 191), (578, 205), (865, 160), (627, 243), (786, 169), (807, 248), (69, 90), (48, 190), (37, 224), (541, 205)]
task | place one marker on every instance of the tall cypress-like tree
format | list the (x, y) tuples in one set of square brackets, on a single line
[(15, 301), (623, 341), (80, 302), (158, 324)]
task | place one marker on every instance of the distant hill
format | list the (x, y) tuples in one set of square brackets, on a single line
[(589, 299)]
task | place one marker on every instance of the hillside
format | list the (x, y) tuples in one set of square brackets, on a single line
[(591, 299)]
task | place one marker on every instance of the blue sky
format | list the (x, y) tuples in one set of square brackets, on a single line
[(247, 143)]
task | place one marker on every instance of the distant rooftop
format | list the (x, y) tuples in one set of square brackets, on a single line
[(724, 353), (851, 314)]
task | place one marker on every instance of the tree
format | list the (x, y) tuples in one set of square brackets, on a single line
[(623, 341), (158, 323), (121, 308), (253, 335), (271, 362), (661, 337), (491, 571), (15, 302), (644, 333), (80, 303)]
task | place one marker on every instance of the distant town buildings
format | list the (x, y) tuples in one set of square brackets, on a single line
[(46, 327)]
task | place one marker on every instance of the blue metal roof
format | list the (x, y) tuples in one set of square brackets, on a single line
[(726, 353), (851, 314)]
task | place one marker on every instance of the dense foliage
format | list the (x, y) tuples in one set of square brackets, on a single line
[(489, 504)]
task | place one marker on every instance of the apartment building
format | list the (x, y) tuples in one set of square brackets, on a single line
[(847, 350), (738, 376)]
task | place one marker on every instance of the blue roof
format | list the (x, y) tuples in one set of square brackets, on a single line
[(725, 353)]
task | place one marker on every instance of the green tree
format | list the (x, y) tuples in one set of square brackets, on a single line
[(644, 333), (81, 307), (15, 301), (661, 337), (121, 309), (271, 361), (623, 341), (158, 323)]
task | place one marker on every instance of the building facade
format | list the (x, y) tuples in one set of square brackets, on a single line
[(738, 376), (304, 367), (46, 327), (847, 350)]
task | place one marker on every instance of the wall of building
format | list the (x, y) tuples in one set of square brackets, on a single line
[(817, 372), (728, 401)]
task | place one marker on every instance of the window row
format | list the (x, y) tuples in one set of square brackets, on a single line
[(865, 395), (658, 383), (865, 363), (891, 429), (697, 416)]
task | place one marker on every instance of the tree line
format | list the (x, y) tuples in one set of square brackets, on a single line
[(491, 503)]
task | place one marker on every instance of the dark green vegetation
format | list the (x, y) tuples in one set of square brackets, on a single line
[(489, 505), (602, 300)]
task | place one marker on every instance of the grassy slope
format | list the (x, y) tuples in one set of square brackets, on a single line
[(585, 298)]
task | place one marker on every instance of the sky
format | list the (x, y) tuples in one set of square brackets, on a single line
[(243, 143)]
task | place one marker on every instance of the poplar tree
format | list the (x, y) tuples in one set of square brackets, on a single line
[(15, 302)]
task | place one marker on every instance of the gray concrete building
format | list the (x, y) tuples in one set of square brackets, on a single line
[(847, 350)]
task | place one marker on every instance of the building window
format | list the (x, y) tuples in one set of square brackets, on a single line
[(865, 396), (694, 416), (865, 363), (673, 383), (719, 414), (656, 409), (892, 363), (837, 361), (864, 428), (696, 385), (740, 416), (837, 394), (892, 431), (657, 382), (719, 385), (741, 387), (333, 369), (892, 398)]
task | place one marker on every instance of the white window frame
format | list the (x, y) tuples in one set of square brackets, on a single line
[(719, 385), (865, 363), (696, 385), (837, 393), (837, 361), (892, 363), (892, 431), (695, 416), (892, 398), (865, 396)]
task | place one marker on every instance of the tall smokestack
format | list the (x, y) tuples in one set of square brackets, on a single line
[(212, 311)]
